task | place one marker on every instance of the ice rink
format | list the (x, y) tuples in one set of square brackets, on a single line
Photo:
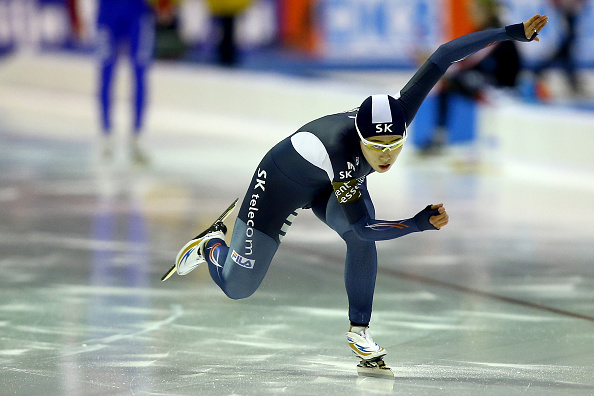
[(500, 302)]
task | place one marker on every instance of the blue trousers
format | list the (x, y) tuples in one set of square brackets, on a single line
[(118, 28)]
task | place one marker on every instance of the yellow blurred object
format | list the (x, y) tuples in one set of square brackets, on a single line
[(227, 7)]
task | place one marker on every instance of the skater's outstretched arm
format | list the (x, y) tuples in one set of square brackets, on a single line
[(433, 217), (416, 90), (350, 198)]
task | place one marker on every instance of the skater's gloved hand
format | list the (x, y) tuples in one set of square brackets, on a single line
[(433, 217)]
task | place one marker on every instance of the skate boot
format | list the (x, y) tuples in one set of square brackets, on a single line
[(192, 254), (371, 355)]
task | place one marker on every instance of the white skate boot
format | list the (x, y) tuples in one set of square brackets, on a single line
[(371, 355), (192, 254)]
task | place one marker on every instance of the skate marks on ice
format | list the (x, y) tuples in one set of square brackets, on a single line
[(424, 379), (497, 375), (525, 299), (100, 343)]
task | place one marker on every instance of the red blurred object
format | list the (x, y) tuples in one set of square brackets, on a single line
[(297, 25)]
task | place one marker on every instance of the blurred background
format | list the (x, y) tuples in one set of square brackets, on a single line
[(370, 43), (127, 126), (347, 33)]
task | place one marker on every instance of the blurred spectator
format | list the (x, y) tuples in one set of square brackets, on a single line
[(169, 44), (495, 66), (569, 12), (129, 25), (225, 13)]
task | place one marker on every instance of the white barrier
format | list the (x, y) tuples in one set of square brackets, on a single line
[(556, 139), (38, 88)]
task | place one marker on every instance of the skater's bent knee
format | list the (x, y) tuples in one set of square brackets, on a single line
[(238, 294)]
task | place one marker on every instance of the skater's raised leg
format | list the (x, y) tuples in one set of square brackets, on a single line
[(238, 269), (267, 210)]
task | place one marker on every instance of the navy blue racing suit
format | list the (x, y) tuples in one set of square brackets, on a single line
[(321, 167)]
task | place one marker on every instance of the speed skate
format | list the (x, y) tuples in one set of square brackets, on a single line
[(374, 368), (371, 354), (190, 246)]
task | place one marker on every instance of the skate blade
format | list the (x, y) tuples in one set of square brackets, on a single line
[(168, 274), (375, 372), (222, 217), (228, 211)]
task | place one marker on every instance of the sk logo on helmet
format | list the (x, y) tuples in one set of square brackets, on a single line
[(383, 128)]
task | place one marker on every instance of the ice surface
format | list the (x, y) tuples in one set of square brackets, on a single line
[(500, 302)]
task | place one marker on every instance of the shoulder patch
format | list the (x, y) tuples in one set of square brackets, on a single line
[(311, 148)]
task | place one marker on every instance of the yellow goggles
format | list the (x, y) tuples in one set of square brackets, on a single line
[(379, 147), (383, 147)]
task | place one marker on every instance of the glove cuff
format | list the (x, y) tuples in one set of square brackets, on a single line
[(422, 218), (516, 32)]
